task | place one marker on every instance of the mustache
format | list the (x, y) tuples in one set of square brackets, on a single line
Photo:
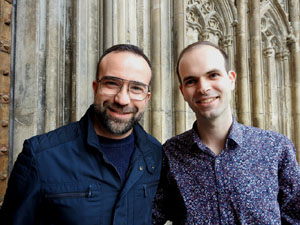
[(119, 108)]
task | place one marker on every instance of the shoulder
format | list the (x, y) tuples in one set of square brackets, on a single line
[(54, 138), (250, 132), (265, 142), (145, 138), (181, 139), (181, 142), (153, 140)]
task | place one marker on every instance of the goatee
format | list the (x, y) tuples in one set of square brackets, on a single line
[(115, 125)]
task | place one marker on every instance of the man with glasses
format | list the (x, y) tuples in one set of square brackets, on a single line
[(103, 169)]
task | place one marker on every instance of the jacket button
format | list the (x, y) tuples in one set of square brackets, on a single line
[(140, 168), (153, 167)]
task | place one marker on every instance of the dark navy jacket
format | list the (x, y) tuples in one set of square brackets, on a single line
[(62, 178)]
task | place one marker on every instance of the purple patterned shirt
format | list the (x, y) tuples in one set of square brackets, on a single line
[(254, 180)]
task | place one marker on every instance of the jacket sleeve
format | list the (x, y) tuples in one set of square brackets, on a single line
[(167, 203), (289, 185), (22, 199)]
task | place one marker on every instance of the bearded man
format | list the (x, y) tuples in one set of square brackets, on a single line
[(103, 169)]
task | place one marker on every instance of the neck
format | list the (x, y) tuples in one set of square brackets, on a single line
[(213, 133)]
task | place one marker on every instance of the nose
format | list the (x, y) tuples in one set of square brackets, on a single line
[(203, 86), (123, 97)]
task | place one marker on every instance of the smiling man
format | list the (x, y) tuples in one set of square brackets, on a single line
[(103, 169), (220, 171)]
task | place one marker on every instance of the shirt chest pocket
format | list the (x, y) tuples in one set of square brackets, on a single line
[(73, 203)]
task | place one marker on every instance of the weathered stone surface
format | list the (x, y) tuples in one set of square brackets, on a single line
[(58, 44)]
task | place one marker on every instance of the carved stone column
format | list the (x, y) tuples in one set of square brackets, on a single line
[(179, 42), (162, 80), (227, 44), (271, 90), (286, 108), (295, 55), (87, 31), (255, 63), (243, 88), (42, 69), (144, 42)]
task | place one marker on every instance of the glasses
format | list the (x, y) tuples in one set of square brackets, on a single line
[(112, 85)]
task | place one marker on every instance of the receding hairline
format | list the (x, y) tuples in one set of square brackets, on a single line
[(124, 48), (104, 58)]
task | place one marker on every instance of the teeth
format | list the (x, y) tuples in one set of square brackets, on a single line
[(207, 100)]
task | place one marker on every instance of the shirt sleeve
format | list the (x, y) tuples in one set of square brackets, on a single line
[(168, 203), (22, 198), (289, 185)]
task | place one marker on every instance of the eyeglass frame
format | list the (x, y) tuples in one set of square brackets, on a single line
[(129, 82)]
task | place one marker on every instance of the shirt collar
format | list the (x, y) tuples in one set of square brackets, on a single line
[(235, 134)]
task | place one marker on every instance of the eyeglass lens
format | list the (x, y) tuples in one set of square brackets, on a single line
[(112, 85)]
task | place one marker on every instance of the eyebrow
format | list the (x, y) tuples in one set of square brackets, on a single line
[(189, 77), (118, 78), (208, 72), (213, 71)]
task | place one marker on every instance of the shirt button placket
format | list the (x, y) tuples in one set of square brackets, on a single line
[(219, 186)]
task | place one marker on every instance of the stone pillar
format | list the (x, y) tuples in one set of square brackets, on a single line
[(243, 88), (108, 35), (255, 64), (55, 76), (227, 44), (26, 99), (179, 44), (162, 81), (119, 21), (124, 23), (86, 55), (295, 56), (144, 41), (286, 90), (45, 79), (272, 90), (42, 69), (156, 103), (120, 24)]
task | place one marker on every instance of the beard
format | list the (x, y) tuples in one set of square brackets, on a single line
[(115, 125)]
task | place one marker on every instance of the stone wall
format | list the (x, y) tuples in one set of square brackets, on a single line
[(58, 43)]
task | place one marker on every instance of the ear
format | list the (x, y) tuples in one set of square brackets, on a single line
[(148, 97), (95, 86), (181, 90), (232, 78)]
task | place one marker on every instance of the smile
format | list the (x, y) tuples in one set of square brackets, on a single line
[(121, 110), (207, 100), (121, 114)]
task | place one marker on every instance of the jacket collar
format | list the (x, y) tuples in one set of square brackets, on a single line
[(143, 145)]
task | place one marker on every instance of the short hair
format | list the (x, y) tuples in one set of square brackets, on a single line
[(124, 48), (197, 44)]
